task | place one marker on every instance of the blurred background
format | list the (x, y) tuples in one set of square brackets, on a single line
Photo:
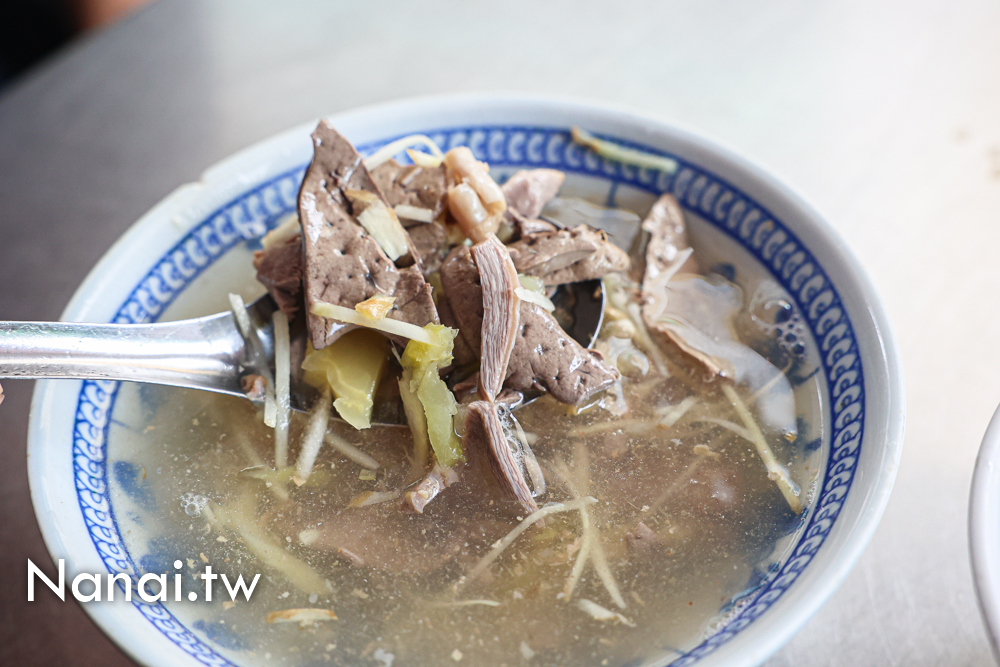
[(33, 29), (884, 114)]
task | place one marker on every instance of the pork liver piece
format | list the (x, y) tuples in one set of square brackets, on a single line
[(344, 265), (431, 243), (279, 268), (544, 358), (423, 187), (567, 255), (528, 191)]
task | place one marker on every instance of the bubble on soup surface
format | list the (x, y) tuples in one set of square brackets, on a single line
[(777, 317), (193, 504)]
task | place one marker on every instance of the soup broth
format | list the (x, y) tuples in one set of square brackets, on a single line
[(685, 522)]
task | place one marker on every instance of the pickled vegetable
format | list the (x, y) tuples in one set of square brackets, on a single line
[(424, 361), (352, 367)]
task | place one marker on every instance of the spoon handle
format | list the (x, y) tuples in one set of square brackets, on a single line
[(203, 353)]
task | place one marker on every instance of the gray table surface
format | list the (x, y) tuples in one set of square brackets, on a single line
[(883, 114)]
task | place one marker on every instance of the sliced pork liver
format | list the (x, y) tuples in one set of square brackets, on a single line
[(431, 243), (279, 268), (344, 265), (544, 357), (414, 301), (524, 226), (423, 187), (463, 354), (462, 289), (560, 256), (528, 191)]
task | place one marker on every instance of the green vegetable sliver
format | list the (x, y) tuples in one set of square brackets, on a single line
[(440, 408), (423, 361)]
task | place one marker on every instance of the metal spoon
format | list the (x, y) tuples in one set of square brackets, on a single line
[(206, 353)]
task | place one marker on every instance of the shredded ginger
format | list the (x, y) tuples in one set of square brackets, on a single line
[(239, 310), (387, 325), (619, 153), (385, 153), (599, 613), (380, 221), (282, 387), (415, 213), (303, 617)]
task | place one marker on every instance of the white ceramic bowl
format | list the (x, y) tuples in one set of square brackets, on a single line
[(183, 256), (984, 530)]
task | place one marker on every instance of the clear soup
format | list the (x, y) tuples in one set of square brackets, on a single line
[(685, 522)]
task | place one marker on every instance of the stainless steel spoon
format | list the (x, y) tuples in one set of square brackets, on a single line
[(206, 353)]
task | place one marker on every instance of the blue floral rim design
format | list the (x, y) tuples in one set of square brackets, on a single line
[(699, 191)]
